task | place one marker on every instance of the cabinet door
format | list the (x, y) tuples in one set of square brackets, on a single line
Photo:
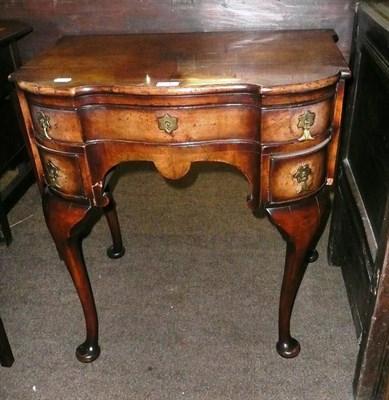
[(367, 153), (360, 224)]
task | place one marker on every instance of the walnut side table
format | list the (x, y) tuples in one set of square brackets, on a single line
[(268, 103)]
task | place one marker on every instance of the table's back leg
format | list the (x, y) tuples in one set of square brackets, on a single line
[(6, 356), (300, 225), (5, 230), (116, 250), (68, 223)]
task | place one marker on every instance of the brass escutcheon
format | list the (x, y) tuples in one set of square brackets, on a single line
[(302, 176), (306, 121), (168, 123), (52, 174), (44, 122)]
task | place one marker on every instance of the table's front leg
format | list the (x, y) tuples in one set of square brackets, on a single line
[(68, 223), (300, 225)]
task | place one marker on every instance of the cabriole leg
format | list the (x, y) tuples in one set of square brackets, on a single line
[(68, 223), (300, 225), (117, 249), (6, 356)]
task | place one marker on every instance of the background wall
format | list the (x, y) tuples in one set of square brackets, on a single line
[(52, 19)]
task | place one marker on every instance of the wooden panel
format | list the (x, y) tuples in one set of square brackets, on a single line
[(54, 19)]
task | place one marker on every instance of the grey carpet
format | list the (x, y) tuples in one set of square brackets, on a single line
[(190, 311)]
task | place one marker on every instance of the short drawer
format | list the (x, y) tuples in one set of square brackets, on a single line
[(58, 124), (293, 177), (166, 125), (62, 172), (287, 124)]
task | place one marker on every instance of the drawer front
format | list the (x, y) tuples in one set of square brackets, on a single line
[(57, 124), (169, 125), (287, 124), (62, 172), (296, 177)]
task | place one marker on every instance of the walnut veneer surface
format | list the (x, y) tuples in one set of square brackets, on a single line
[(268, 103)]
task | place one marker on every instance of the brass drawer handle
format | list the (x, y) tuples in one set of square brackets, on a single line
[(44, 122), (302, 176), (52, 174), (168, 123), (306, 121)]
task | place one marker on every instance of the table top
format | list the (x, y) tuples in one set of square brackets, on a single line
[(185, 63), (12, 30)]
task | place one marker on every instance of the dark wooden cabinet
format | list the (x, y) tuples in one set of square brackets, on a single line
[(360, 225), (15, 170)]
